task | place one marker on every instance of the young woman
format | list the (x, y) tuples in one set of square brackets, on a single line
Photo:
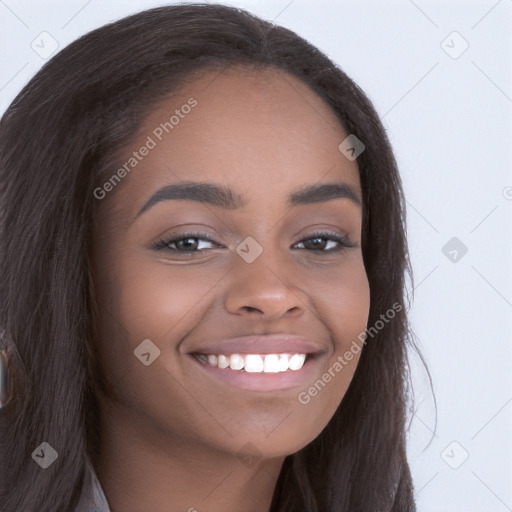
[(202, 277)]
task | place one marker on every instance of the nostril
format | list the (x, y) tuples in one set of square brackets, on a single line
[(250, 308)]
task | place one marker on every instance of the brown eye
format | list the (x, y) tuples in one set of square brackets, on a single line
[(186, 243), (326, 242)]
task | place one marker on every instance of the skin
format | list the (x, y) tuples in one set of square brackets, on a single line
[(173, 437)]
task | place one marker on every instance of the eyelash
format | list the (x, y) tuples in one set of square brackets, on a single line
[(343, 241)]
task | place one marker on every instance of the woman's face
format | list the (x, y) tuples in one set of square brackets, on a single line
[(259, 140)]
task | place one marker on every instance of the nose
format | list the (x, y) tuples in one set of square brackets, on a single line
[(264, 290)]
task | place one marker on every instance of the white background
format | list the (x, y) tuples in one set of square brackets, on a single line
[(449, 120)]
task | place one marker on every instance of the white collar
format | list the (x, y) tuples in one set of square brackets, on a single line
[(93, 498)]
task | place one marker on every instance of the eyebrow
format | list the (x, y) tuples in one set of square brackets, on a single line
[(223, 197)]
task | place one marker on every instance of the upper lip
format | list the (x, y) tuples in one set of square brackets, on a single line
[(270, 344)]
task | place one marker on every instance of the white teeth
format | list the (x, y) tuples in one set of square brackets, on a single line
[(256, 363), (283, 362), (236, 362), (297, 361), (271, 363), (253, 363), (222, 361)]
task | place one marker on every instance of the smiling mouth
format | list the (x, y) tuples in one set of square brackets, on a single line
[(270, 372), (255, 363)]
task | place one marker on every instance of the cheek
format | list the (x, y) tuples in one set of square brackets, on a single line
[(156, 297), (343, 300), (140, 297), (343, 303)]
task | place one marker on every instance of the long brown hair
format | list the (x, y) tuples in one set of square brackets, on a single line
[(65, 127)]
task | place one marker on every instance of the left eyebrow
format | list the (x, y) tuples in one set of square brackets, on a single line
[(224, 197), (325, 192)]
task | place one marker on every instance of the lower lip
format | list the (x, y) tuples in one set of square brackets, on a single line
[(263, 381)]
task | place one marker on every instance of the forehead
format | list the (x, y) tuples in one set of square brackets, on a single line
[(255, 130)]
